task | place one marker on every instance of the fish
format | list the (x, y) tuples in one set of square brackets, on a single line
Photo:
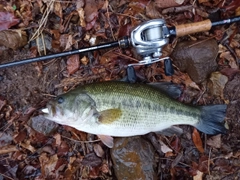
[(119, 109)]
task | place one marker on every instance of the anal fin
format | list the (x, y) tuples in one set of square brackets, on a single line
[(107, 140), (173, 130)]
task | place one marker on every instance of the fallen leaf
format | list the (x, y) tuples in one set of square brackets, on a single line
[(203, 163), (197, 140), (8, 149), (69, 42), (164, 147), (58, 139), (13, 39), (214, 141), (5, 138), (84, 60), (199, 176), (82, 17), (151, 11), (20, 136), (48, 164), (63, 149), (73, 64), (58, 9), (229, 72), (168, 3), (223, 165), (27, 145), (231, 60), (232, 6), (91, 160), (217, 84), (91, 12), (7, 20), (2, 103), (175, 144), (98, 150)]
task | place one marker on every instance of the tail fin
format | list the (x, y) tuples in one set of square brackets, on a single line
[(212, 119)]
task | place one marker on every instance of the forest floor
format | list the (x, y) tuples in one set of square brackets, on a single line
[(32, 148)]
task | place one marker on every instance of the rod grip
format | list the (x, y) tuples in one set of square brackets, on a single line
[(185, 29)]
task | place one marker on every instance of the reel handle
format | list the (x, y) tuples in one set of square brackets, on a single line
[(191, 28), (168, 67)]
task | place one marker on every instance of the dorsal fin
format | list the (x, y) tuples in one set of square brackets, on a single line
[(172, 90)]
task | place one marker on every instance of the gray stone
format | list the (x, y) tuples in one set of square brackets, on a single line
[(196, 58), (133, 158), (43, 125)]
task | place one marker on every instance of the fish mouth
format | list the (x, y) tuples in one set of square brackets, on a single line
[(50, 110)]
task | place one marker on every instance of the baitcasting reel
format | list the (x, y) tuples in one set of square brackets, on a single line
[(147, 39)]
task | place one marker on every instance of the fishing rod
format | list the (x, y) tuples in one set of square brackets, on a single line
[(147, 39)]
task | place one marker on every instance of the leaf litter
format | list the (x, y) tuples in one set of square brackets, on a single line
[(55, 152)]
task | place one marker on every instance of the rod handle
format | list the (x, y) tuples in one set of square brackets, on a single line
[(185, 29)]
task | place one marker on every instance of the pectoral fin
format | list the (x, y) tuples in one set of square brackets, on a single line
[(107, 140), (108, 116)]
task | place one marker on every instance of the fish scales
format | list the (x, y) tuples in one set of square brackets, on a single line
[(143, 108)]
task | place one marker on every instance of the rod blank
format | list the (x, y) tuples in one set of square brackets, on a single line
[(57, 55)]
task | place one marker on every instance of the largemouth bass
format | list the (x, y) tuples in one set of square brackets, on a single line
[(121, 109)]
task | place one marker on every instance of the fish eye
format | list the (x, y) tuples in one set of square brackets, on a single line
[(60, 100)]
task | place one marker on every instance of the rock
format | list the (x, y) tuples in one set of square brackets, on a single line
[(197, 58), (43, 125), (133, 158)]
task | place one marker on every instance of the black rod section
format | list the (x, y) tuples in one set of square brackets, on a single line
[(57, 55), (226, 21)]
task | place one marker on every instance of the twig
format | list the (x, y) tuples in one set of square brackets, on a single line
[(109, 21), (209, 157), (43, 21), (173, 160), (81, 141), (6, 176)]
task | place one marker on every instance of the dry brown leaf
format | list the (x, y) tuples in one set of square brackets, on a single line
[(7, 20), (197, 140), (199, 175), (48, 164), (215, 141), (27, 145), (168, 3), (84, 60), (232, 62), (58, 9), (2, 103), (91, 12), (237, 12), (8, 149), (69, 43), (98, 150), (164, 147), (217, 84), (13, 39), (73, 64), (82, 17), (5, 138), (20, 136), (58, 139)]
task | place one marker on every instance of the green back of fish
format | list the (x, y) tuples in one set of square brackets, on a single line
[(142, 101)]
